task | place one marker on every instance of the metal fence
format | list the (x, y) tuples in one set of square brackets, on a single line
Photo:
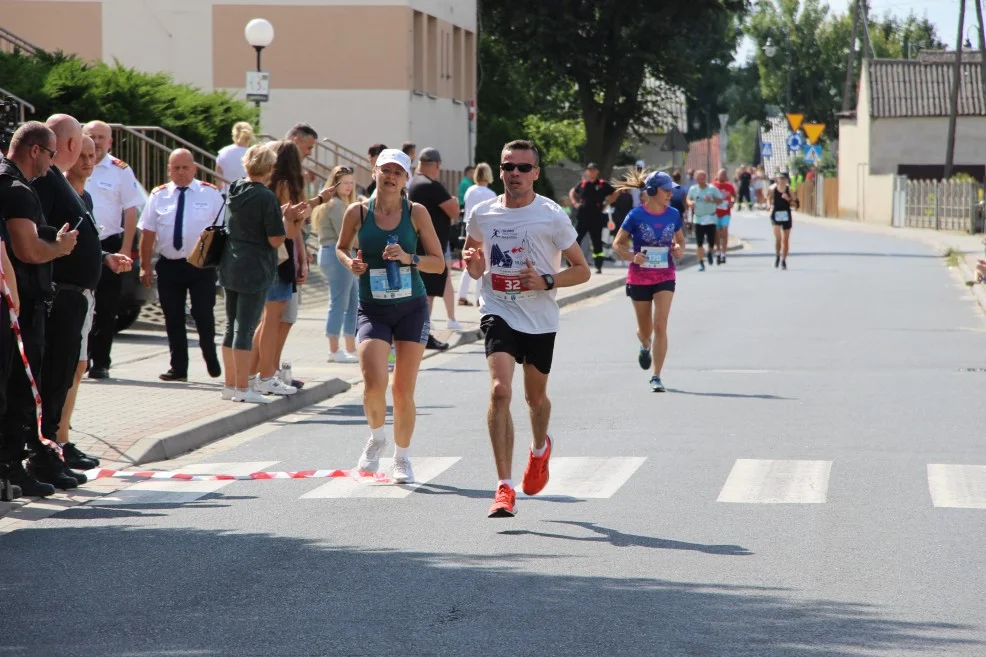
[(937, 204)]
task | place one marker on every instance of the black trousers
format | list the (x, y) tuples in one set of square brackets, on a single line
[(19, 426), (177, 281), (63, 342), (107, 305), (593, 226)]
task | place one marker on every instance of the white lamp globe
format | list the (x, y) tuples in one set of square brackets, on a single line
[(769, 49), (259, 33)]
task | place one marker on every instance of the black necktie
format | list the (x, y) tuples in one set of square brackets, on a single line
[(179, 217)]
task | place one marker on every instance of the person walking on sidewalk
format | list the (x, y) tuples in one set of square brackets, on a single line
[(393, 303), (426, 190), (658, 242), (248, 266), (589, 197), (780, 196), (723, 214), (178, 212), (31, 246), (115, 194), (340, 189), (703, 199), (479, 192), (515, 244)]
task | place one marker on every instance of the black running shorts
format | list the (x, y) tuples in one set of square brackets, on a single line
[(535, 349)]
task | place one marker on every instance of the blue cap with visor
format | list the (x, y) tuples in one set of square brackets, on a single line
[(659, 180)]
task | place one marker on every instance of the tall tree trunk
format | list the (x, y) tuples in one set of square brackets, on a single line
[(847, 89), (603, 134), (953, 109)]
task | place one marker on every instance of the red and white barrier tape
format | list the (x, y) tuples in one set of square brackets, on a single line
[(15, 325), (369, 477)]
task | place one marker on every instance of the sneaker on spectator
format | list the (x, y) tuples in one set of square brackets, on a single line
[(274, 386)]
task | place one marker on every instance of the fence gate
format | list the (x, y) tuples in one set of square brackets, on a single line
[(939, 205)]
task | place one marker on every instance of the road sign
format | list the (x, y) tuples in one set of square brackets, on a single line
[(813, 154), (795, 121), (794, 141), (258, 85), (814, 131), (766, 149), (675, 141)]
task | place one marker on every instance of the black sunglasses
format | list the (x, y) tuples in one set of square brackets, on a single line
[(346, 171), (523, 168)]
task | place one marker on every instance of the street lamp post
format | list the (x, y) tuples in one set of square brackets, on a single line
[(259, 34)]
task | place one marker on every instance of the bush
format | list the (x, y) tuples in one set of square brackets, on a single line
[(55, 82)]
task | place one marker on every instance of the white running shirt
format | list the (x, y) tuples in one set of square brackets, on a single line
[(537, 233)]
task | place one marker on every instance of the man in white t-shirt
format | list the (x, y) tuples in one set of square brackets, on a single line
[(515, 243)]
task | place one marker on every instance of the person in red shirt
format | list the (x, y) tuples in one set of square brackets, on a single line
[(723, 213)]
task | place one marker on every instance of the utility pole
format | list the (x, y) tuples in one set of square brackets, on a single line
[(982, 45), (866, 28), (851, 61), (953, 109)]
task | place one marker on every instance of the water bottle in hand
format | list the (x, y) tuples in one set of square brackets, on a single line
[(393, 267)]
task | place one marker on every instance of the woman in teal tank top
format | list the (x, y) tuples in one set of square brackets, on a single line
[(393, 306)]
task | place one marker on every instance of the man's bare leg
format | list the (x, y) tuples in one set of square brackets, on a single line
[(498, 417), (538, 404)]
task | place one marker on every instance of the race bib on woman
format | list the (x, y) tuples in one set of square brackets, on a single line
[(657, 257)]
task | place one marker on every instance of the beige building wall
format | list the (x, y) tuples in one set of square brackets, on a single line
[(851, 150), (72, 26), (915, 140)]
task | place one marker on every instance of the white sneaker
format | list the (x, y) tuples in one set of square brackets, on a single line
[(453, 325), (403, 474), (250, 397), (343, 357), (252, 382), (228, 393), (274, 386), (369, 460)]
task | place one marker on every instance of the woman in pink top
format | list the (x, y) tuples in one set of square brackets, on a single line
[(658, 240)]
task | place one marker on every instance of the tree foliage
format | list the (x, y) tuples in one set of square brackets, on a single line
[(117, 94), (609, 53)]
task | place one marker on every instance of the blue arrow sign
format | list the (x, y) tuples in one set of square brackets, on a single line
[(813, 154), (766, 149), (795, 142)]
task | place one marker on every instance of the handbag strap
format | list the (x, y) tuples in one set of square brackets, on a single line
[(218, 214)]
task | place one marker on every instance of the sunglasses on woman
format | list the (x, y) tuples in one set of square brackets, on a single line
[(523, 168), (347, 171)]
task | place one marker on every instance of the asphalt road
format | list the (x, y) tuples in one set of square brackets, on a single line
[(775, 503)]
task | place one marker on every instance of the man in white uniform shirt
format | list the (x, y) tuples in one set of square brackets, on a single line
[(174, 217), (115, 199), (515, 243)]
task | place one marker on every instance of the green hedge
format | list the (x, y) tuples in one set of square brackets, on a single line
[(117, 94)]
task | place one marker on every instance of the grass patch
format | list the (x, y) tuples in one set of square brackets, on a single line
[(952, 257)]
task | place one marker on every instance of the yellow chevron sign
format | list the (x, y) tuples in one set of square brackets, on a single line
[(795, 121), (813, 131)]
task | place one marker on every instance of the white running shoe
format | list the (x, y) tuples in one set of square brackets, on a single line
[(369, 460), (453, 325), (342, 356), (252, 382), (402, 473), (250, 397), (228, 393), (274, 386)]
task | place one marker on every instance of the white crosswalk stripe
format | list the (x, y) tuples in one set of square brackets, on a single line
[(957, 486), (761, 481), (425, 469), (180, 492), (584, 477)]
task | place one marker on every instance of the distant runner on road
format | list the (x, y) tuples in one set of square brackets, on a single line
[(703, 199), (515, 243), (780, 197), (723, 214)]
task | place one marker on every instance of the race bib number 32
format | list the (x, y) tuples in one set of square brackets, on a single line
[(509, 288)]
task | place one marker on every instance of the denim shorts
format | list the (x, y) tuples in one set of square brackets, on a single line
[(279, 291)]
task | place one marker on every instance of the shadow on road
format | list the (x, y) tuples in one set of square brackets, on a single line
[(730, 395), (179, 591)]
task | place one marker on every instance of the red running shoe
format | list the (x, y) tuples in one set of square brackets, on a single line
[(536, 472), (503, 502)]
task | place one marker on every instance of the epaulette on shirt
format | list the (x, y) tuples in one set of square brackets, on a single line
[(120, 163), (159, 188), (209, 184)]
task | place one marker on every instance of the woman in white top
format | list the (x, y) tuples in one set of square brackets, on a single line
[(475, 195), (229, 161)]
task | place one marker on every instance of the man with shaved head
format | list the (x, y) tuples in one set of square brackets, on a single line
[(115, 198), (75, 278), (174, 217)]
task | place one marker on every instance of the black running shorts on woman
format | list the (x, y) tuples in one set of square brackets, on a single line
[(535, 349)]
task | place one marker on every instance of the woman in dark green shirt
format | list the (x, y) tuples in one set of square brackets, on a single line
[(392, 308), (248, 266)]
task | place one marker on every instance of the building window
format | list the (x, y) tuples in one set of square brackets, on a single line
[(458, 82), (418, 73), (469, 77), (431, 58)]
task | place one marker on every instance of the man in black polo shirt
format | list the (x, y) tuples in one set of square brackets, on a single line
[(31, 245), (588, 197), (75, 276), (424, 188)]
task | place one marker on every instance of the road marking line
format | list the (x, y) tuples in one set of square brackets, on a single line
[(584, 477), (179, 492), (426, 468), (957, 486), (760, 481)]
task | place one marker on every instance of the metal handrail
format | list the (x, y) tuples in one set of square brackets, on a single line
[(167, 133), (20, 101), (19, 42), (163, 149), (351, 154)]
